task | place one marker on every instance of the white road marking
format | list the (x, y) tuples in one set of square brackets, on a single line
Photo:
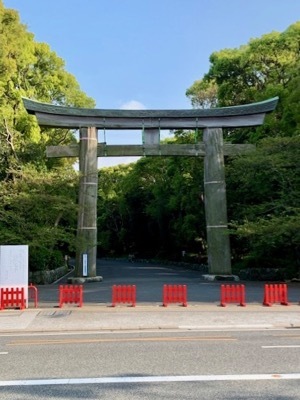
[(290, 346), (3, 352), (228, 327), (151, 379)]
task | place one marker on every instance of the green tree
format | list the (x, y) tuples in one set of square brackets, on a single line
[(262, 187), (264, 198), (32, 213), (40, 210), (203, 94), (265, 67), (29, 69), (152, 208), (112, 210)]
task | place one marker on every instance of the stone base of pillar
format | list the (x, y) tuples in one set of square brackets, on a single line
[(220, 278), (84, 279)]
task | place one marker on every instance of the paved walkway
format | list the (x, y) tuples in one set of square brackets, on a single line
[(103, 317), (203, 311)]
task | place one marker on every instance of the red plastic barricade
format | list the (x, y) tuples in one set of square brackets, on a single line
[(123, 294), (276, 293), (174, 294), (33, 294), (70, 294), (233, 294), (12, 297)]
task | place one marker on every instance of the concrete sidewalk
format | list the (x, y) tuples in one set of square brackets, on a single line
[(149, 317)]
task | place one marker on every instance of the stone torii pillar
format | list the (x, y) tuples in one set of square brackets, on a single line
[(152, 121), (219, 256), (86, 251)]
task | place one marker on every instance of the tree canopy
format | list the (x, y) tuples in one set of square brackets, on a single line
[(263, 187), (37, 196), (265, 67), (30, 69)]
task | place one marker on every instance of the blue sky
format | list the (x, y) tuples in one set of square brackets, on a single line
[(146, 53)]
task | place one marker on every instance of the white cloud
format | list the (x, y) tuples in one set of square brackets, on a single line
[(133, 105)]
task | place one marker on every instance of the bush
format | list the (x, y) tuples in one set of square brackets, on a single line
[(41, 259)]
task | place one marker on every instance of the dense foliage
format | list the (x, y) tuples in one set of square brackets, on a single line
[(152, 209), (264, 205), (263, 188), (37, 196), (264, 68)]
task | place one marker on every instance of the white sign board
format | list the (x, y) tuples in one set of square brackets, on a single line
[(84, 264), (14, 268)]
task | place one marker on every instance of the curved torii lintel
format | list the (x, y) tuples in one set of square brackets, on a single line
[(76, 118)]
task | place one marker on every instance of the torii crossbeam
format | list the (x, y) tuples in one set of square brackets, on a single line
[(152, 121)]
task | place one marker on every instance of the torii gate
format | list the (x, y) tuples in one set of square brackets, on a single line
[(88, 121)]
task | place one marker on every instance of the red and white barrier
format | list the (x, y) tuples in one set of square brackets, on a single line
[(233, 294), (174, 294), (70, 294), (124, 294), (276, 293), (33, 294), (12, 298)]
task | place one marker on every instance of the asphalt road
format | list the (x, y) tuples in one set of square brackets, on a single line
[(149, 280), (181, 363), (177, 364)]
